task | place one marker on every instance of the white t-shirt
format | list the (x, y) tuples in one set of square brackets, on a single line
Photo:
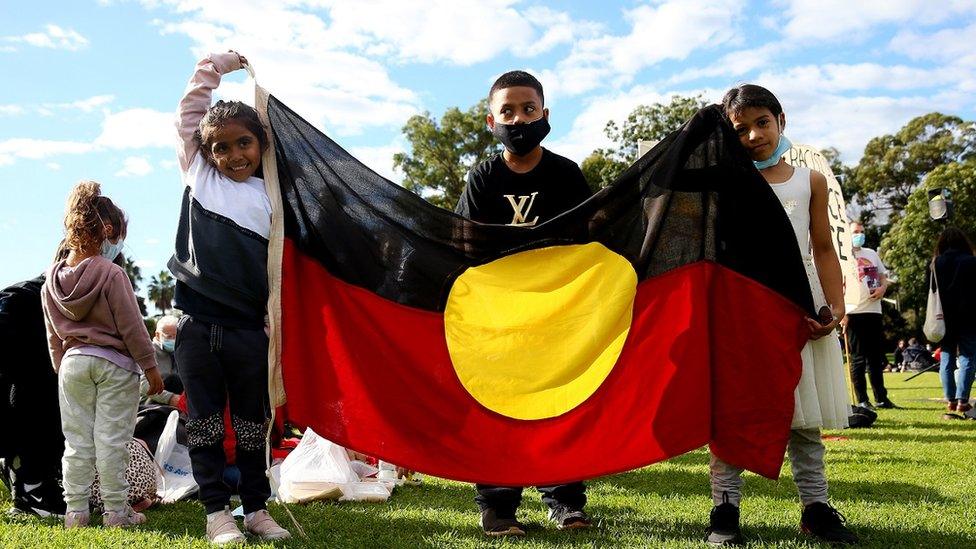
[(869, 272)]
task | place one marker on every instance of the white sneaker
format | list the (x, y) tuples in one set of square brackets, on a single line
[(222, 529), (263, 526)]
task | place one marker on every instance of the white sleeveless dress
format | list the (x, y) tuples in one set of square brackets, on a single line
[(821, 396)]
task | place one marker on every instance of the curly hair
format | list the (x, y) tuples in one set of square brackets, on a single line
[(224, 111), (85, 214)]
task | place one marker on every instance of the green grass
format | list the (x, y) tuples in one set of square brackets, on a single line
[(909, 481)]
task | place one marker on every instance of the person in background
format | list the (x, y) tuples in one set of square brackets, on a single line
[(955, 273), (863, 323), (164, 343)]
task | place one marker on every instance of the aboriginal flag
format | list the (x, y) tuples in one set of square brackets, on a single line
[(662, 314)]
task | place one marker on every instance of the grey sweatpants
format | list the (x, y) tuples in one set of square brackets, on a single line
[(806, 452), (99, 402)]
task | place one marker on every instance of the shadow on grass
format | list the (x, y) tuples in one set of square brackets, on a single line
[(669, 482)]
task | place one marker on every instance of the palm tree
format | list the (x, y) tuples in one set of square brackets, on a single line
[(161, 289), (135, 277)]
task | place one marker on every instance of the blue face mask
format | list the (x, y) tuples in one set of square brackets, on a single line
[(784, 145), (111, 251), (857, 239), (169, 345)]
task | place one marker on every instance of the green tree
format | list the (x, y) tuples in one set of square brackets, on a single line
[(893, 166), (135, 277), (601, 168), (161, 290), (443, 152), (651, 123), (908, 247), (644, 123)]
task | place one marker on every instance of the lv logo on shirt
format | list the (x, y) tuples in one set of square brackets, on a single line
[(522, 208)]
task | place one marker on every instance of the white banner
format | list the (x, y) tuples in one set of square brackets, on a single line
[(804, 155)]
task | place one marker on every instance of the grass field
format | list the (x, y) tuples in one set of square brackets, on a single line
[(910, 481)]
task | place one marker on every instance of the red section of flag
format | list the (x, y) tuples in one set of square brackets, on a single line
[(376, 376)]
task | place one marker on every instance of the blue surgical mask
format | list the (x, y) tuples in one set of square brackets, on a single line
[(111, 251), (169, 345), (857, 239), (784, 145)]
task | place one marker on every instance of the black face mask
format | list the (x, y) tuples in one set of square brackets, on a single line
[(520, 139)]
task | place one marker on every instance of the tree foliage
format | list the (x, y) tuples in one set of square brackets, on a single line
[(651, 123), (442, 152), (644, 123), (893, 166), (135, 278), (162, 288), (908, 246)]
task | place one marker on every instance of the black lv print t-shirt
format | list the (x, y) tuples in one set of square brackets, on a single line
[(494, 193)]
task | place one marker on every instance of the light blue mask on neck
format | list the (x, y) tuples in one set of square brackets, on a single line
[(784, 145)]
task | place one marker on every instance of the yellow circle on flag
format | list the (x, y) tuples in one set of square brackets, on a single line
[(532, 335)]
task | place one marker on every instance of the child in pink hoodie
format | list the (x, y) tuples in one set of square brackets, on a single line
[(99, 345)]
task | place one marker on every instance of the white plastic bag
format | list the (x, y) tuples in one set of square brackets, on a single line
[(934, 327), (173, 460), (320, 469)]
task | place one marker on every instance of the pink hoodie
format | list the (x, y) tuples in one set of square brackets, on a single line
[(93, 304)]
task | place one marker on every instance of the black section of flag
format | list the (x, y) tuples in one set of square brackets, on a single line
[(695, 196)]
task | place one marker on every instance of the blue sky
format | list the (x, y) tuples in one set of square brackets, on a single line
[(90, 86)]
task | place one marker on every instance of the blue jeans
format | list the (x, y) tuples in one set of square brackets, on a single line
[(958, 384)]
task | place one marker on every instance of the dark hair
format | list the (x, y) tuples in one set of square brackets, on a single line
[(952, 238), (912, 341), (85, 214), (224, 111), (745, 96), (512, 79)]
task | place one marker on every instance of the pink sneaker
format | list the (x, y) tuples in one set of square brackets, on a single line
[(76, 519), (263, 526), (122, 519)]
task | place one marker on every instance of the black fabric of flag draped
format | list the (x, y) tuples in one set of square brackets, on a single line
[(368, 268)]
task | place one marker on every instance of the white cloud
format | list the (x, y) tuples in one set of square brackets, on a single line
[(137, 129), (53, 166), (38, 149), (11, 110), (146, 265), (461, 32), (586, 132), (810, 20), (83, 105), (380, 159), (951, 44), (862, 76), (129, 129), (53, 37), (135, 166), (669, 30)]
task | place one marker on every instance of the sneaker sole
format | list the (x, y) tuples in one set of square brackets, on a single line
[(575, 526), (513, 531), (805, 530)]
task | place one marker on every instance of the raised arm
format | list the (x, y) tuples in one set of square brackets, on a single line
[(196, 100)]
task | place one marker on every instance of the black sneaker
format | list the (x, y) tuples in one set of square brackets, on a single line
[(866, 404), (723, 527), (822, 521), (567, 518), (494, 525), (886, 404)]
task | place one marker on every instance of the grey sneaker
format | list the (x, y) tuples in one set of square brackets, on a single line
[(567, 518), (122, 519), (263, 526), (222, 529), (76, 519)]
